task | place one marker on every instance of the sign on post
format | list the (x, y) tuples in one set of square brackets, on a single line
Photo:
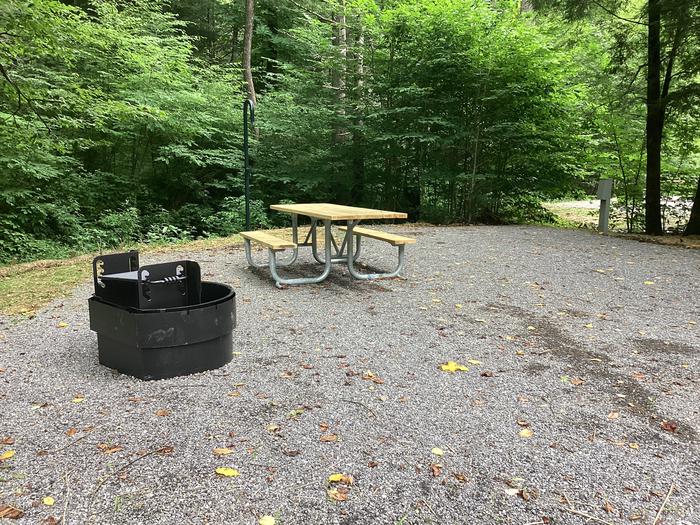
[(605, 187)]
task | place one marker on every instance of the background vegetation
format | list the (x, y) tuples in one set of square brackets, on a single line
[(121, 121)]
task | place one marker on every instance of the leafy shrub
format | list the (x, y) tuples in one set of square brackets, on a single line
[(231, 218)]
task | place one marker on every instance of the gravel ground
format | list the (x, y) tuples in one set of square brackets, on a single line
[(589, 342)]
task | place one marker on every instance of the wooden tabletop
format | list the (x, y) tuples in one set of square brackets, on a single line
[(336, 212)]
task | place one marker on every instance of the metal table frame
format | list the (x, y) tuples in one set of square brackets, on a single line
[(347, 253)]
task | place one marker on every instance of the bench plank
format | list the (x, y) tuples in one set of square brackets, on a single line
[(391, 238), (269, 240)]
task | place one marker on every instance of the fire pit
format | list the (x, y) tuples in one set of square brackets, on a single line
[(161, 320)]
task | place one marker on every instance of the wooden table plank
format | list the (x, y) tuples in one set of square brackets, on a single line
[(337, 212)]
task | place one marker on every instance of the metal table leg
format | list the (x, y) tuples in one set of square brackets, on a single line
[(369, 276), (279, 281), (339, 257)]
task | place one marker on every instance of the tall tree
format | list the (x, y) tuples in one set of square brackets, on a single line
[(248, 48), (671, 38)]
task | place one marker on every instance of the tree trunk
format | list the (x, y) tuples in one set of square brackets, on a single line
[(655, 122), (358, 159), (340, 40), (247, 47), (693, 226)]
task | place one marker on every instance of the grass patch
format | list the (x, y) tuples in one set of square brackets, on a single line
[(28, 287)]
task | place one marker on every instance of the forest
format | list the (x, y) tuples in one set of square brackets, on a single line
[(121, 120)]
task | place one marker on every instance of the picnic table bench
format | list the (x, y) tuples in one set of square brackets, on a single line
[(346, 252)]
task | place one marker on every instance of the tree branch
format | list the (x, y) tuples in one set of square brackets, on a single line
[(21, 96), (614, 14)]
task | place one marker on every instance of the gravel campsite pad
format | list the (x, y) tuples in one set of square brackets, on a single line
[(580, 402)]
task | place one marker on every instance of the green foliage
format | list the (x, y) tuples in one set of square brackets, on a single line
[(121, 121)]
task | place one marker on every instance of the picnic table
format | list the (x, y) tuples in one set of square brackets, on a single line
[(346, 252)]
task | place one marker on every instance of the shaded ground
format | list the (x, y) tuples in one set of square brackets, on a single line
[(589, 342)]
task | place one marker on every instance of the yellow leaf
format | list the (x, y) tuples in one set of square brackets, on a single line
[(341, 478), (272, 427), (438, 451), (635, 446), (509, 338), (48, 500), (458, 306), (78, 399), (474, 362), (453, 367), (588, 325), (526, 433), (62, 324), (223, 451), (227, 472), (531, 328), (648, 282), (266, 520), (7, 455)]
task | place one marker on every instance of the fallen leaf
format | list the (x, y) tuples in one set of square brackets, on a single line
[(162, 412), (588, 325), (576, 381), (266, 520), (79, 398), (435, 469), (613, 415), (295, 413), (512, 491), (638, 376), (235, 393), (648, 283), (634, 446), (227, 472), (9, 512), (522, 423), (7, 440), (669, 426), (109, 449), (453, 367), (526, 433), (372, 464), (223, 451), (370, 376), (62, 324), (71, 432), (474, 362), (272, 428), (438, 451), (531, 328), (337, 495), (458, 306), (527, 494), (291, 453), (50, 520), (607, 507), (323, 427), (328, 438), (341, 478), (48, 500), (487, 373), (460, 477), (166, 450), (7, 455)]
